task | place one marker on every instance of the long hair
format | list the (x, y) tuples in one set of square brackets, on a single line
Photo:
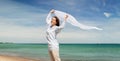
[(57, 20)]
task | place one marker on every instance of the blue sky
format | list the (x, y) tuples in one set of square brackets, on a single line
[(23, 21)]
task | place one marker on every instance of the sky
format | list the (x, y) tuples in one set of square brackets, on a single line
[(23, 21)]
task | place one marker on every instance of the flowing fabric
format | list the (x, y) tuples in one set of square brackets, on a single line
[(70, 20)]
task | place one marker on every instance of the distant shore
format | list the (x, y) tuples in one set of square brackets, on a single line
[(6, 42), (15, 58)]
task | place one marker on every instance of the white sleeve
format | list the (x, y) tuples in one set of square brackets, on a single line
[(59, 28), (48, 19), (62, 25)]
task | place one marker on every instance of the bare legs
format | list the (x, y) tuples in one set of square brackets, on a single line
[(54, 55)]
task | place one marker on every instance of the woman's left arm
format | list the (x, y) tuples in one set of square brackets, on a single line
[(63, 23), (49, 16)]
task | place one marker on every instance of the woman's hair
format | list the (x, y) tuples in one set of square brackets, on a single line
[(57, 21)]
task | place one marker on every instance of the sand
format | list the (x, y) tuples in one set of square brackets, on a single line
[(14, 58)]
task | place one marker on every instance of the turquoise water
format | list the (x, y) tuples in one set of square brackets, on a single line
[(68, 52)]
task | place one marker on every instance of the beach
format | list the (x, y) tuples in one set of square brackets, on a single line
[(14, 58)]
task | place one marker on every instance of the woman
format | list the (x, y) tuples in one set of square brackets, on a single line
[(54, 28)]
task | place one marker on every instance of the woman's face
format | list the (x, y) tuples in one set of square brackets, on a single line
[(53, 22)]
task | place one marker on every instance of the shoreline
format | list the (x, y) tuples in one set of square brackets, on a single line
[(16, 58)]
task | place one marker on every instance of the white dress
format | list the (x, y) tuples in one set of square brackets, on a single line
[(52, 33)]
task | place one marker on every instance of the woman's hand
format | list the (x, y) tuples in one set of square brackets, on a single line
[(52, 11), (66, 16)]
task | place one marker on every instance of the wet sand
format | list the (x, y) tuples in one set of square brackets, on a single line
[(14, 58)]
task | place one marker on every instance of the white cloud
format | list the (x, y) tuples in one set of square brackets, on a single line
[(111, 31), (14, 18), (110, 34), (20, 13), (79, 36), (107, 14), (14, 33)]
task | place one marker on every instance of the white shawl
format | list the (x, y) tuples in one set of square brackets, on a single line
[(70, 20)]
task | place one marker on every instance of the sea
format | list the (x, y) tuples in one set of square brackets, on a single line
[(68, 52)]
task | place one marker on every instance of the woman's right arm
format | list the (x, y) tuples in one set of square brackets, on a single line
[(49, 16)]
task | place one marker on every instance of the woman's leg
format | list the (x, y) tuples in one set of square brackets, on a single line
[(54, 54)]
